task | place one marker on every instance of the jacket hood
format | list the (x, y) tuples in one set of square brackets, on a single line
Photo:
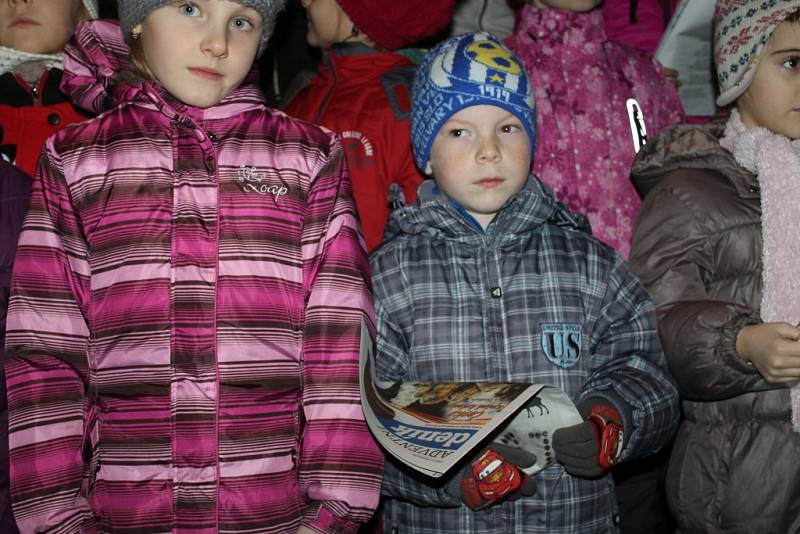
[(434, 215), (686, 146), (97, 77), (93, 61)]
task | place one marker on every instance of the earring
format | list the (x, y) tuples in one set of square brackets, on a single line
[(135, 35), (354, 32)]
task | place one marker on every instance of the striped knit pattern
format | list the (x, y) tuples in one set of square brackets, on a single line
[(456, 304), (183, 331)]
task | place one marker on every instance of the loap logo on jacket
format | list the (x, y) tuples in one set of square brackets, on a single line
[(252, 180), (561, 343)]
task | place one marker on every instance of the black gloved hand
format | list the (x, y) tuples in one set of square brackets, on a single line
[(590, 448), (493, 476)]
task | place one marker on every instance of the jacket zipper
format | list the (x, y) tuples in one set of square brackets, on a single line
[(35, 91)]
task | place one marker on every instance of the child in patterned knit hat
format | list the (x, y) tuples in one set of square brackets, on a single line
[(484, 279), (361, 91), (716, 245), (32, 38), (188, 295)]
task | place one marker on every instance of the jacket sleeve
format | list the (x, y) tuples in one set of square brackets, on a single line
[(658, 97), (628, 367), (665, 102), (672, 256), (394, 328), (340, 464), (46, 361), (15, 188)]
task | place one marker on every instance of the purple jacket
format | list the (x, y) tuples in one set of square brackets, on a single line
[(582, 82), (184, 325)]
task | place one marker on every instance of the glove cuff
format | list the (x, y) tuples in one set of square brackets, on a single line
[(609, 433), (491, 478)]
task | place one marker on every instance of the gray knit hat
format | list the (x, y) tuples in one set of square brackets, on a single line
[(742, 29), (132, 12)]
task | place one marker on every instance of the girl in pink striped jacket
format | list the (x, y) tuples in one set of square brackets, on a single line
[(184, 324)]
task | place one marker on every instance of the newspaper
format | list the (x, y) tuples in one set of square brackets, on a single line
[(431, 426), (687, 46)]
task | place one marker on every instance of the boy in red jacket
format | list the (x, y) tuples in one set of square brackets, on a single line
[(361, 92)]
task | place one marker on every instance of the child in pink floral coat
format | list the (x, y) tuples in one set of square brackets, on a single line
[(583, 83)]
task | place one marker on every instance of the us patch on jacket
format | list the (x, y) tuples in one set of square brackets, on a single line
[(561, 343)]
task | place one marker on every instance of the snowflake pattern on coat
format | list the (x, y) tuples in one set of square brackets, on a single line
[(582, 82)]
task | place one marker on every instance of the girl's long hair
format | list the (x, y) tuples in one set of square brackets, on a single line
[(138, 62)]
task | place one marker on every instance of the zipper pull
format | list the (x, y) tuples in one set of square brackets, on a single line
[(636, 121)]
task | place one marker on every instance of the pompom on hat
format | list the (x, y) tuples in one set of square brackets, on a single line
[(393, 25), (132, 12), (467, 70), (742, 29)]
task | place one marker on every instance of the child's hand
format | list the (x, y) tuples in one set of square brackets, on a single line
[(589, 449), (673, 76), (773, 348), (305, 530), (493, 476)]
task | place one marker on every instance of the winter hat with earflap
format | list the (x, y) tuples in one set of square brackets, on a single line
[(132, 12), (741, 31), (393, 25), (463, 71)]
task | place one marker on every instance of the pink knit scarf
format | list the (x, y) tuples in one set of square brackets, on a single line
[(775, 160)]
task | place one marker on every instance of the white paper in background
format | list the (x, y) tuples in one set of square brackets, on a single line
[(532, 428), (687, 46)]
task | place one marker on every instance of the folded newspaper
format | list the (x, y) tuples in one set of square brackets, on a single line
[(687, 46), (432, 426)]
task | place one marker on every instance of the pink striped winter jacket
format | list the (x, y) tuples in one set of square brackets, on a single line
[(184, 324)]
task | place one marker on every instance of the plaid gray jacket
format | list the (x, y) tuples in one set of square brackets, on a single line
[(456, 304)]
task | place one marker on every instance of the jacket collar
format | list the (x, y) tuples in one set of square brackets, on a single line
[(15, 93), (560, 25), (245, 98), (688, 146), (435, 215), (11, 58), (351, 49), (358, 59)]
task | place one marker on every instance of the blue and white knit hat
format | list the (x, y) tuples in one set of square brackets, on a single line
[(742, 29), (463, 71)]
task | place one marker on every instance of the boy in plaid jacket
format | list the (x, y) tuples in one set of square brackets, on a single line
[(487, 278)]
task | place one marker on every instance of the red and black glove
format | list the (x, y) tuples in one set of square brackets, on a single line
[(590, 448), (495, 475)]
